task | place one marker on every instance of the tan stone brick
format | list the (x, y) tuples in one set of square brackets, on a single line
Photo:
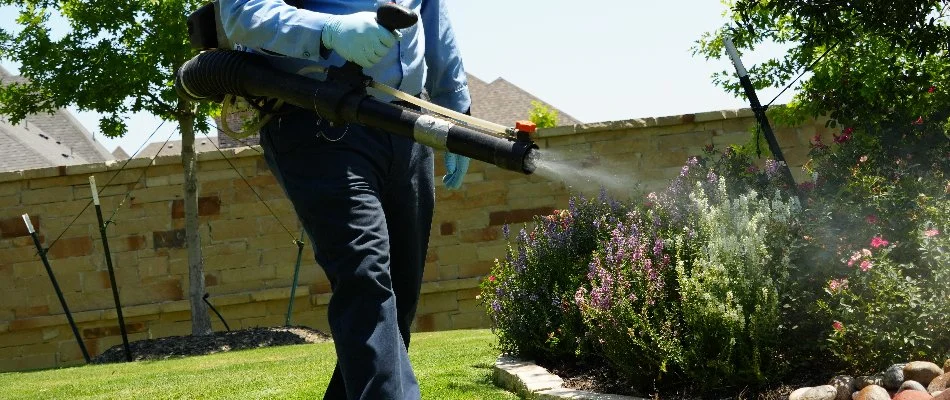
[(480, 268), (232, 229), (457, 254), (250, 274), (241, 311), (180, 328), (266, 321), (486, 234), (32, 311), (273, 241), (684, 140), (156, 194), (152, 266), (489, 252), (469, 320), (437, 302), (27, 269), (47, 195), (281, 256), (432, 322), (11, 188)]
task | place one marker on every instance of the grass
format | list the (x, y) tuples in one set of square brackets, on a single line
[(449, 365)]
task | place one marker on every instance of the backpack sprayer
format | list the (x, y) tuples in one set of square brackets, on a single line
[(342, 97)]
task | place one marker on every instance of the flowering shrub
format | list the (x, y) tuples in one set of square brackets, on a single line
[(629, 303), (530, 294), (874, 217), (730, 275)]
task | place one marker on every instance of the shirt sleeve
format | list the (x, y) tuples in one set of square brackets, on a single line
[(274, 27), (446, 81)]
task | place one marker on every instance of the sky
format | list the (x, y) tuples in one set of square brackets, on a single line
[(620, 59)]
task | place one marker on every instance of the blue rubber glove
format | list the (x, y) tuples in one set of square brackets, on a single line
[(455, 168), (358, 38)]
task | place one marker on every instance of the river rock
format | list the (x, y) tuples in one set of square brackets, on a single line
[(844, 384), (912, 395), (912, 385), (893, 377), (826, 392), (872, 392), (797, 394), (941, 382), (946, 366), (863, 381), (941, 395), (922, 371)]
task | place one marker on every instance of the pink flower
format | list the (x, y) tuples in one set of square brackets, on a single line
[(866, 265), (838, 326), (491, 278), (931, 233), (863, 159), (877, 241), (932, 89), (837, 284), (919, 121), (871, 219)]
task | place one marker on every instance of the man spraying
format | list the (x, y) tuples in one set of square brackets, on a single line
[(365, 199)]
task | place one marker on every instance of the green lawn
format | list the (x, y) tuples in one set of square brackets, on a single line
[(449, 365)]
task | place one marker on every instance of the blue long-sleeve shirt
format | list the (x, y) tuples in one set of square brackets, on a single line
[(426, 56)]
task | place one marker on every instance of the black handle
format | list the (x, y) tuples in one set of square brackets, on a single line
[(393, 16)]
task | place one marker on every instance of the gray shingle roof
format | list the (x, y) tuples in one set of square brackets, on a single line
[(120, 154), (42, 139), (503, 102), (173, 148), (25, 146)]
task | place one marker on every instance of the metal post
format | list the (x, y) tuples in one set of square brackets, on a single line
[(760, 113), (115, 289), (293, 288), (52, 278)]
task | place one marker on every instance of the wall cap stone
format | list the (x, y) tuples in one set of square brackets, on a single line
[(115, 165), (639, 123)]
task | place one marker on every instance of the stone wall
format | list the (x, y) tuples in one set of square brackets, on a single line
[(249, 256)]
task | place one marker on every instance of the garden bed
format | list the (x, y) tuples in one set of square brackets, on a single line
[(191, 345)]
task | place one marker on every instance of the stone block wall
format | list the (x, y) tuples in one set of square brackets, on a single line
[(249, 254)]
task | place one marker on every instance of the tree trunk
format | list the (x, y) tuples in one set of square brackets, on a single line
[(200, 321)]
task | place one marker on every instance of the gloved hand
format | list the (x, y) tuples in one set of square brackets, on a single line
[(358, 38), (455, 168)]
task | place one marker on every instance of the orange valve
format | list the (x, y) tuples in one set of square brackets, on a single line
[(526, 126)]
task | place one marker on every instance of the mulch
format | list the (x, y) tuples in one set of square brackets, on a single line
[(191, 345)]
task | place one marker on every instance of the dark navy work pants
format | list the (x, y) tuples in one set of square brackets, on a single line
[(365, 199)]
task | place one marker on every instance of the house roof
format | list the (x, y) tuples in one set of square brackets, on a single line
[(120, 154), (503, 102), (41, 140), (173, 148), (24, 146)]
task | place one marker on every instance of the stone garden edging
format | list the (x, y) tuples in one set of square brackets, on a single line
[(532, 381)]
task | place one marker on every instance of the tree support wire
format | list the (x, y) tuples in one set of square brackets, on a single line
[(108, 254), (108, 182), (293, 287), (52, 278), (760, 116)]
